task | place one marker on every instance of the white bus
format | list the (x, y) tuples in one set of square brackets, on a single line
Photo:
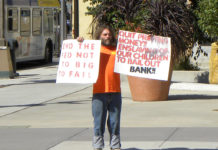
[(32, 28)]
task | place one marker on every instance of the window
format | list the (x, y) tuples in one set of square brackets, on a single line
[(56, 18), (12, 19), (25, 22), (37, 21), (48, 21)]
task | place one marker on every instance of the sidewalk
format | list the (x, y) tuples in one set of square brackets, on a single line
[(152, 139), (187, 121)]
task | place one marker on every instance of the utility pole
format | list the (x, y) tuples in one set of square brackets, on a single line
[(2, 40), (76, 18), (63, 21)]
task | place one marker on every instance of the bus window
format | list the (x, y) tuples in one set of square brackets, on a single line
[(56, 18), (25, 22), (37, 21), (48, 21), (12, 19)]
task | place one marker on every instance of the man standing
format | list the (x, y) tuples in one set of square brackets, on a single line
[(106, 92)]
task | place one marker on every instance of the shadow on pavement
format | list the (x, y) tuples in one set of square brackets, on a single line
[(28, 75), (131, 149), (203, 78), (192, 97), (43, 81), (176, 148), (34, 64), (44, 104), (32, 82), (27, 105)]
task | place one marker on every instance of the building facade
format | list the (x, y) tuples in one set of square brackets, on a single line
[(80, 21)]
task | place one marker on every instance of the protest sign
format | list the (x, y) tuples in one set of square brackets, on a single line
[(143, 55), (79, 62)]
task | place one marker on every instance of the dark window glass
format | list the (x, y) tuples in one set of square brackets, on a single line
[(12, 19)]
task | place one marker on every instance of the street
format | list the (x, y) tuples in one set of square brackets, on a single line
[(38, 114)]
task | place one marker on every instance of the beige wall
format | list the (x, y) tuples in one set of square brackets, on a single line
[(84, 20)]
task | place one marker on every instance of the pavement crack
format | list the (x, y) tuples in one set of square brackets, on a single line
[(165, 140), (27, 106), (68, 138), (78, 133)]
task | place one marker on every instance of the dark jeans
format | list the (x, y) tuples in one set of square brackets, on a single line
[(101, 104)]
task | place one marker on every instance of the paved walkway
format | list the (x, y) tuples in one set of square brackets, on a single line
[(187, 121)]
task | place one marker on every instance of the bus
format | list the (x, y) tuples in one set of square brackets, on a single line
[(32, 29)]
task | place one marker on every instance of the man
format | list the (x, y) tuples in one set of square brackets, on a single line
[(106, 92)]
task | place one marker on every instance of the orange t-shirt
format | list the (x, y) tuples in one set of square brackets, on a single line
[(108, 81)]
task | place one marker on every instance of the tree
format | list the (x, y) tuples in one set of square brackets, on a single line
[(169, 18), (207, 14), (120, 14)]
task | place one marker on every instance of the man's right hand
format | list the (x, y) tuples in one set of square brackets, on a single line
[(80, 39)]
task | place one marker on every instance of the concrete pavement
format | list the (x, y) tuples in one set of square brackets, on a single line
[(32, 87), (58, 117)]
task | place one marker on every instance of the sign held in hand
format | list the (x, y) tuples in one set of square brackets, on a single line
[(79, 61), (143, 55)]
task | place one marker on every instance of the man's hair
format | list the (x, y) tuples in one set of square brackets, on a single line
[(101, 28)]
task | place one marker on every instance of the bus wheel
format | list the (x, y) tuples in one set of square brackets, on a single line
[(48, 54)]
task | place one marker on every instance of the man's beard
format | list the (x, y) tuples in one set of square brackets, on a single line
[(107, 42)]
